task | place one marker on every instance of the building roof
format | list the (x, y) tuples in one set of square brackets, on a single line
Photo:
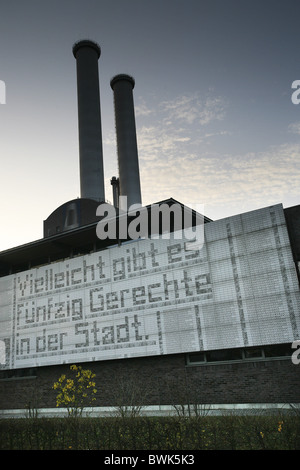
[(77, 241)]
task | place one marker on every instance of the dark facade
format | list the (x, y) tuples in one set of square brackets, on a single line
[(71, 215), (163, 380)]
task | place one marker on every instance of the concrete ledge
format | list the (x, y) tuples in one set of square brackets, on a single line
[(163, 410)]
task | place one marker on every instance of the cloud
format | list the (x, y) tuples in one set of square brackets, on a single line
[(180, 157), (294, 128), (226, 184), (192, 108), (141, 109), (169, 143), (175, 123)]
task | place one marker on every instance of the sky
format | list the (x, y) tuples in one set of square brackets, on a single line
[(216, 125)]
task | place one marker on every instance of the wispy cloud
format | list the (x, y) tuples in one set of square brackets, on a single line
[(179, 158), (169, 143), (142, 109), (225, 184), (294, 128), (175, 123), (192, 108)]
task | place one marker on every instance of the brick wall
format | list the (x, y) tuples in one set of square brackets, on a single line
[(164, 380)]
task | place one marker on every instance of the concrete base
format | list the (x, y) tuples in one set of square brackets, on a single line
[(162, 410)]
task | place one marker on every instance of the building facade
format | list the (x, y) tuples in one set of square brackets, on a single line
[(211, 323)]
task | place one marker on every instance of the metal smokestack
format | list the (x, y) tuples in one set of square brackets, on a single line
[(129, 175), (87, 54), (115, 185)]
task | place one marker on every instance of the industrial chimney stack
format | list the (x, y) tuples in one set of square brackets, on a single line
[(87, 53), (129, 175)]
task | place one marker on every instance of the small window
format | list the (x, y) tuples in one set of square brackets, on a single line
[(70, 217), (224, 355), (251, 353), (17, 373), (277, 350), (197, 357), (274, 351)]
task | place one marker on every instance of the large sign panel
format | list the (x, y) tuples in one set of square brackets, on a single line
[(153, 297)]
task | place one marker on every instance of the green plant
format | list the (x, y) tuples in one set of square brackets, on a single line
[(76, 391)]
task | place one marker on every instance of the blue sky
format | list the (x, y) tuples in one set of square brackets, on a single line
[(215, 120)]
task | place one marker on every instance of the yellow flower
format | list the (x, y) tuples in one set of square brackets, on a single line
[(262, 434)]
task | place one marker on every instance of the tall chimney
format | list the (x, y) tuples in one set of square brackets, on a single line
[(87, 53), (129, 175)]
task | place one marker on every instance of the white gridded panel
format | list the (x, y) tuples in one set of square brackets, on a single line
[(156, 297)]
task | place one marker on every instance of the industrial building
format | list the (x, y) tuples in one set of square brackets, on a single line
[(162, 321)]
